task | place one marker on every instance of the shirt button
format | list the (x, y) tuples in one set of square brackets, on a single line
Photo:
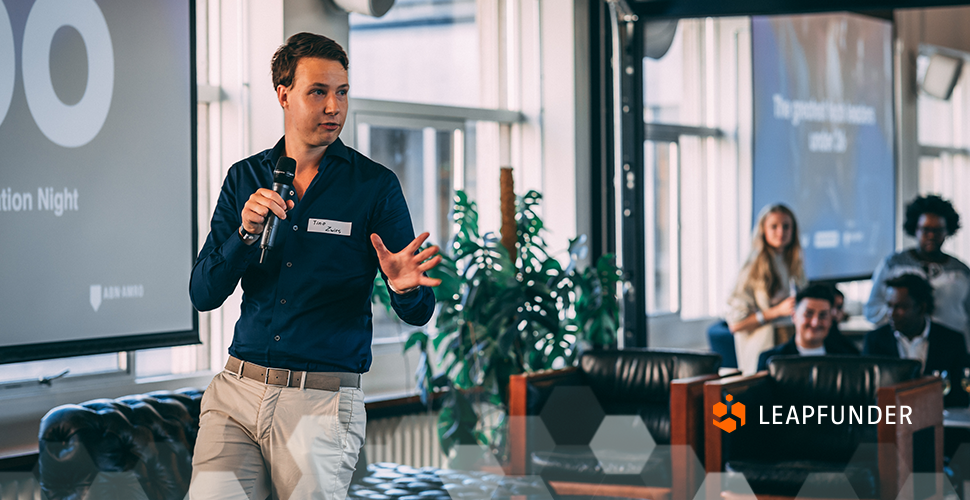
[(289, 264), (295, 227), (277, 338), (283, 301)]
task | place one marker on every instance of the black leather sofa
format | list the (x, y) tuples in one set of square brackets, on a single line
[(140, 443), (390, 481), (663, 387), (858, 460)]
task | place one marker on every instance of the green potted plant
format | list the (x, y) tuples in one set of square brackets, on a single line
[(498, 318)]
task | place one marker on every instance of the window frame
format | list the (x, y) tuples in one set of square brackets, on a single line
[(942, 139), (713, 146), (666, 133), (400, 114)]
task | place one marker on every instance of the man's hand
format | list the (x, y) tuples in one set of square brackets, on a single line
[(258, 207), (404, 269)]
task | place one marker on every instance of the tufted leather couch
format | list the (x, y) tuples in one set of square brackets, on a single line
[(653, 384), (390, 481), (137, 447), (834, 458)]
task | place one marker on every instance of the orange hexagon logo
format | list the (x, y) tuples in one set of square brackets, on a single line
[(730, 422)]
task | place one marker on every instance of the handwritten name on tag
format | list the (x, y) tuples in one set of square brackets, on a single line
[(329, 227)]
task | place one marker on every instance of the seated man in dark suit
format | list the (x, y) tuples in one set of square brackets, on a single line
[(813, 319), (910, 334)]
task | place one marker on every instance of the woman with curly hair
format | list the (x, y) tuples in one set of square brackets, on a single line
[(763, 298), (930, 219)]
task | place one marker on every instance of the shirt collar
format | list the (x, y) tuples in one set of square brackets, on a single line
[(923, 336), (337, 149)]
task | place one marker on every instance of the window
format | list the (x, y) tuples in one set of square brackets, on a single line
[(417, 108), (696, 160), (428, 162), (944, 166), (434, 152), (33, 371), (423, 51), (425, 161), (171, 361), (661, 160)]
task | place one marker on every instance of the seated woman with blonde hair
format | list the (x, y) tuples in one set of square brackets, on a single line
[(764, 296)]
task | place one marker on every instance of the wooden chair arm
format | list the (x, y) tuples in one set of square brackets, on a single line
[(518, 409), (713, 439), (686, 401), (686, 433), (924, 396)]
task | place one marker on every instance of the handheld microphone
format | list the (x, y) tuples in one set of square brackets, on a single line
[(283, 185)]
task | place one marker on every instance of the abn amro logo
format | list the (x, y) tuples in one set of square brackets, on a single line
[(728, 423)]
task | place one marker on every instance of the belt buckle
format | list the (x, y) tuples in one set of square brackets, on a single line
[(289, 374)]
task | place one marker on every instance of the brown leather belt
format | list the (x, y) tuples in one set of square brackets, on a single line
[(281, 377)]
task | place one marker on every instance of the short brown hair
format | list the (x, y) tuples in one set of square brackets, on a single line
[(299, 46)]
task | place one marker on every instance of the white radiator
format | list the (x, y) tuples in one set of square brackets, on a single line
[(408, 439), (19, 486), (413, 439)]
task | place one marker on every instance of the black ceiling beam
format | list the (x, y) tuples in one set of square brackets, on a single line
[(654, 9)]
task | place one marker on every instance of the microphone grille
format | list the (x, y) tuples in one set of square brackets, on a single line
[(285, 170)]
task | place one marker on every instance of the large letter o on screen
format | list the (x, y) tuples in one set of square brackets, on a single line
[(75, 125), (8, 62)]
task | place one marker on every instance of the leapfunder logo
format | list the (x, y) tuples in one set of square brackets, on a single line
[(853, 414), (728, 424)]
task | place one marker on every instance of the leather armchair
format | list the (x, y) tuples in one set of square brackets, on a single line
[(137, 446), (663, 387), (875, 459)]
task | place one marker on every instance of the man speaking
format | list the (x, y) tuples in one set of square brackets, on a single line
[(287, 412)]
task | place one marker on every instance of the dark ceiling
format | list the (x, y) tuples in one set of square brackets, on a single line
[(704, 8)]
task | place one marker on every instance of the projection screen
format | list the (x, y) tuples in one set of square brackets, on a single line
[(823, 141), (97, 189)]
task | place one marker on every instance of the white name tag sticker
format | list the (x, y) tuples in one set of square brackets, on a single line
[(329, 227)]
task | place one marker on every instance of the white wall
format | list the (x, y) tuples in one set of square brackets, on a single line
[(316, 16)]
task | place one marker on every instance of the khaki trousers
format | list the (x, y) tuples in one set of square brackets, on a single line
[(259, 441)]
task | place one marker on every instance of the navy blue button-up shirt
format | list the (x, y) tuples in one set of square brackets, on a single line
[(307, 306)]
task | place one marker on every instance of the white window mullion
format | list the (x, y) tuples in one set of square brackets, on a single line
[(430, 180), (458, 160), (675, 222)]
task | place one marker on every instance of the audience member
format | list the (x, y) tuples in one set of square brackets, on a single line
[(930, 219), (838, 308), (763, 299), (911, 334), (839, 316), (813, 320)]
